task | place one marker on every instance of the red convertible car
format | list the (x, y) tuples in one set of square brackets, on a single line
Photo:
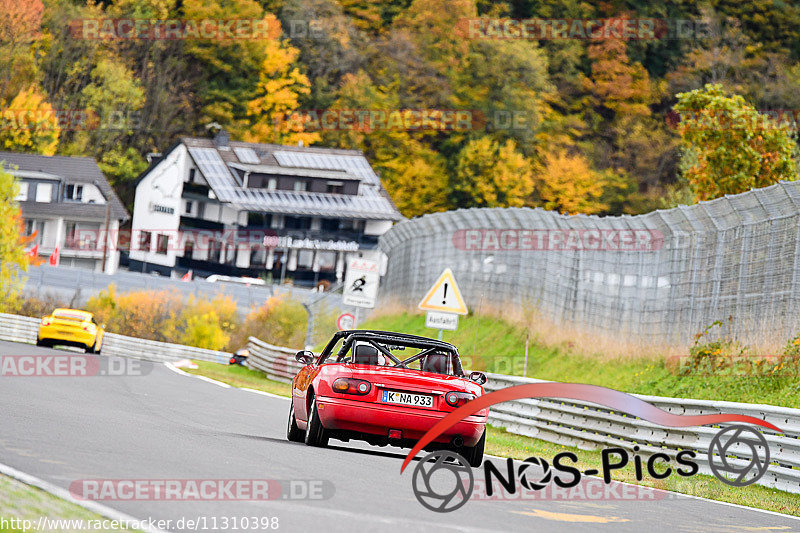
[(363, 387)]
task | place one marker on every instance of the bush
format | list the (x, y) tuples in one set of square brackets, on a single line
[(280, 321), (39, 307), (164, 316)]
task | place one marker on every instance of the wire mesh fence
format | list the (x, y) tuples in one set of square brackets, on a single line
[(657, 278)]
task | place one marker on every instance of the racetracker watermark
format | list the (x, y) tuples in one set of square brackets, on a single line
[(71, 366), (713, 119), (510, 240), (201, 489), (174, 29), (369, 120), (619, 28), (69, 120)]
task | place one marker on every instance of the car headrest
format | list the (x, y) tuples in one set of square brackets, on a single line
[(435, 362), (365, 354)]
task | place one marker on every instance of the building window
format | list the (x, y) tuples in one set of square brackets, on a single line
[(34, 227), (44, 192), (188, 249), (305, 259), (326, 261), (22, 195), (258, 256), (329, 224), (73, 192), (297, 222), (335, 187), (162, 245), (144, 240), (300, 186), (192, 172), (188, 208)]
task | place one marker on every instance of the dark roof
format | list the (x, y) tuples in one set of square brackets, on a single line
[(73, 170), (214, 162), (392, 335)]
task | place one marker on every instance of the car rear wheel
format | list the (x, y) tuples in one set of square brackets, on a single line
[(90, 349), (315, 433), (42, 342), (474, 454), (293, 433)]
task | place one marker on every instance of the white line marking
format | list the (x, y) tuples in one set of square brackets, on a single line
[(64, 494), (264, 393)]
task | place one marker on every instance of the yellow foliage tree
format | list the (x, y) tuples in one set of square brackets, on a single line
[(280, 85), (568, 184), (489, 174), (13, 259), (29, 124)]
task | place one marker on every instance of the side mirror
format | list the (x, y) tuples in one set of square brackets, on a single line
[(305, 357), (478, 377)]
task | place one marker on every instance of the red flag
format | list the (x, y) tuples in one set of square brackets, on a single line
[(54, 257), (34, 252), (187, 276)]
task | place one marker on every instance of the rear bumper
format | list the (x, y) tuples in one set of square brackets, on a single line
[(70, 335), (356, 416)]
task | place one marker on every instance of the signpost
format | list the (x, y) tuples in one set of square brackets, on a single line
[(345, 321), (444, 303), (361, 285)]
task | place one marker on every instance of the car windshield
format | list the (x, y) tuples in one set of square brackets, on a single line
[(415, 353)]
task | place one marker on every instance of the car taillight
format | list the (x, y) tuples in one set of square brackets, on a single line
[(352, 386), (233, 360), (457, 399), (45, 321)]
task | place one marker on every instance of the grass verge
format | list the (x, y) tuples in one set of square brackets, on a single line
[(239, 376), (504, 444), (22, 502), (500, 347)]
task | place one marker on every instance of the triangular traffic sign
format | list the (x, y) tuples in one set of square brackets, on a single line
[(444, 296)]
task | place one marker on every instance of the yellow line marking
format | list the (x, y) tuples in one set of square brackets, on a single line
[(565, 517)]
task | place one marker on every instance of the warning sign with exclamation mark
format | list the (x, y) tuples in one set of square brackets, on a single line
[(444, 296)]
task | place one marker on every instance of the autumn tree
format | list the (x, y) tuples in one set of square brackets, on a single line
[(29, 124), (13, 260), (568, 184), (20, 22), (489, 174), (728, 147)]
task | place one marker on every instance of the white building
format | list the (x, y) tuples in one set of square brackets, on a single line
[(216, 206), (69, 203)]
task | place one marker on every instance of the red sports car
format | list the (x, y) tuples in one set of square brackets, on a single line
[(362, 387)]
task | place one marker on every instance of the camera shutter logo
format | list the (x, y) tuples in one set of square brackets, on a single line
[(526, 479), (750, 449), (443, 481)]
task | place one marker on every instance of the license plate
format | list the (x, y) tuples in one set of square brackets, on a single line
[(64, 332), (406, 398)]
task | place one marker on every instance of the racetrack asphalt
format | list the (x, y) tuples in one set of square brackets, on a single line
[(164, 425)]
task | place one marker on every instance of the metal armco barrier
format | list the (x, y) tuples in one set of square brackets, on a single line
[(18, 328), (276, 362), (589, 426)]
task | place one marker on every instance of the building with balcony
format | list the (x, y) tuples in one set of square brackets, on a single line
[(68, 204), (216, 206)]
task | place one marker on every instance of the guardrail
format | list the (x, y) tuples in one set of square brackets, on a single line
[(276, 362), (570, 422), (589, 426), (25, 329)]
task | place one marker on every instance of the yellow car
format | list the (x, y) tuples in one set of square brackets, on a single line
[(71, 327)]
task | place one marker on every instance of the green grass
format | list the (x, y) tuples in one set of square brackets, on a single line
[(500, 442), (239, 376), (23, 502), (500, 348)]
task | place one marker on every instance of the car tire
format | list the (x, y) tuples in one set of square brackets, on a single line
[(293, 433), (474, 454), (315, 433), (41, 342), (90, 349)]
